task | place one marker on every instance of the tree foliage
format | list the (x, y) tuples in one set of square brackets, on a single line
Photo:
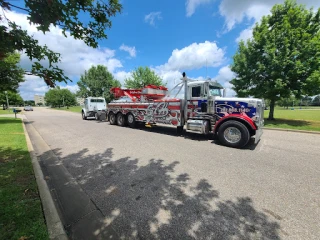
[(58, 97), (282, 58), (65, 14), (14, 98), (141, 77), (96, 82), (10, 73), (29, 103)]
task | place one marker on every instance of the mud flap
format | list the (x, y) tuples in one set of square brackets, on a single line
[(258, 135)]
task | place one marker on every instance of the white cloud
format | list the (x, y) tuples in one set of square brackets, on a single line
[(195, 56), (191, 5), (235, 12), (151, 17), (244, 35), (72, 88), (121, 76), (225, 75), (31, 86), (130, 50), (76, 55)]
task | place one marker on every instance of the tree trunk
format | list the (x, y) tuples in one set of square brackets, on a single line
[(271, 113)]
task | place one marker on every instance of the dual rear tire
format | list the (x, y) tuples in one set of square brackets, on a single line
[(122, 120)]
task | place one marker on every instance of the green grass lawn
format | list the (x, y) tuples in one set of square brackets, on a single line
[(300, 119), (76, 109), (5, 111), (20, 205)]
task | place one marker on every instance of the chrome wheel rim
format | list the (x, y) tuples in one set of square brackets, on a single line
[(130, 118), (232, 135)]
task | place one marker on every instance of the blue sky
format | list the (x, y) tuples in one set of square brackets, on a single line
[(169, 36)]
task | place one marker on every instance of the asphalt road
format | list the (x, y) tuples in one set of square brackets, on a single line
[(151, 184)]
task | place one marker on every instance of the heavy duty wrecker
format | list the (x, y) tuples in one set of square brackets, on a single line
[(202, 110)]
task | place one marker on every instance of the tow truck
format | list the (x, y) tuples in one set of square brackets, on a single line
[(203, 109)]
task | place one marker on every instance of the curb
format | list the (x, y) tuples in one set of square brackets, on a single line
[(291, 130), (53, 222)]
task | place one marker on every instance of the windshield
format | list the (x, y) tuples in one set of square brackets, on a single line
[(214, 91)]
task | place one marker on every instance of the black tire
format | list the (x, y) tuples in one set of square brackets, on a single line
[(240, 130), (121, 120), (96, 116), (112, 119), (131, 120), (84, 116), (180, 130)]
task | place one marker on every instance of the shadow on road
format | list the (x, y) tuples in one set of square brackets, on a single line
[(152, 202)]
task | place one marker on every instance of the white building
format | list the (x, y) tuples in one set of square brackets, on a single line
[(39, 99)]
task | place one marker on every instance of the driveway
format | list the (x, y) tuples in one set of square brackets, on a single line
[(150, 184)]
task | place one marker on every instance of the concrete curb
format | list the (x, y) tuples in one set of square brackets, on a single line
[(54, 224), (291, 130)]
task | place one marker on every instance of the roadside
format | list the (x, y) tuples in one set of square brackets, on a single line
[(21, 215), (307, 120), (76, 109)]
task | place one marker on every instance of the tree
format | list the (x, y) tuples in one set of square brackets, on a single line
[(282, 58), (10, 73), (141, 77), (96, 82), (288, 102), (14, 99), (29, 103), (65, 14), (58, 97)]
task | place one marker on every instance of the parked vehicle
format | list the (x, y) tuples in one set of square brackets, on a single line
[(28, 108), (204, 109), (94, 107)]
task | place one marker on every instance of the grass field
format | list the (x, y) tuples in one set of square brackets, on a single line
[(21, 214), (71, 109), (5, 111), (300, 119)]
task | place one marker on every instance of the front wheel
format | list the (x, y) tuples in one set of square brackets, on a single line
[(84, 116), (233, 134)]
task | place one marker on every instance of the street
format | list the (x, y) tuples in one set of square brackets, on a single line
[(151, 184)]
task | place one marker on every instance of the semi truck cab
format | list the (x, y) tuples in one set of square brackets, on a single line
[(233, 120)]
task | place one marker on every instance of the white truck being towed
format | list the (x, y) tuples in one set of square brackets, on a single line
[(94, 107)]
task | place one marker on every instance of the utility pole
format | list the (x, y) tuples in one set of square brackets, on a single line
[(7, 100), (206, 69)]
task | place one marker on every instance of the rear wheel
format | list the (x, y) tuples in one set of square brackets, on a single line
[(121, 121), (131, 120), (233, 134), (112, 118)]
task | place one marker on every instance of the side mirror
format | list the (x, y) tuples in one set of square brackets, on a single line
[(224, 92)]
